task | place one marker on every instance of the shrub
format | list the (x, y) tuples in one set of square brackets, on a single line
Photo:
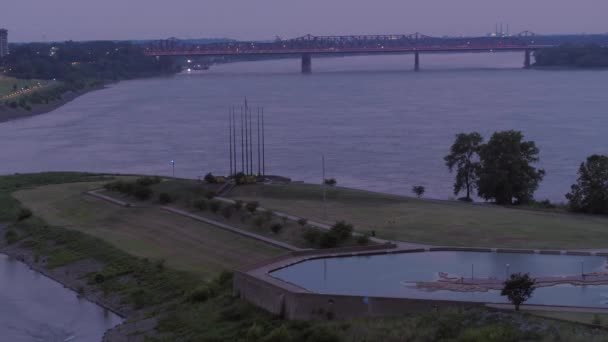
[(302, 222), (330, 182), (210, 194), (227, 212), (255, 332), (363, 239), (99, 278), (138, 298), (147, 181), (200, 204), (268, 215), (518, 288), (210, 178), (342, 230), (238, 205), (276, 228), (328, 240), (240, 178), (11, 236), (200, 294), (258, 221), (252, 206), (280, 334), (164, 198), (312, 236), (215, 206), (418, 190), (24, 213), (142, 193)]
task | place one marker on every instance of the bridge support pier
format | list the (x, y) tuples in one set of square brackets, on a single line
[(306, 63), (527, 59), (416, 61)]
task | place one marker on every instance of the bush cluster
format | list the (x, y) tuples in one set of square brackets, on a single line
[(138, 188), (338, 234)]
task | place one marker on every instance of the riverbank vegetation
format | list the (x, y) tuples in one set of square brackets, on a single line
[(76, 67), (571, 56), (199, 306)]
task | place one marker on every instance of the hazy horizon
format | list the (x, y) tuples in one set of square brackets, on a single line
[(31, 20)]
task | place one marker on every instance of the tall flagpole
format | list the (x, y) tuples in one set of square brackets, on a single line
[(259, 156), (242, 143), (230, 137), (234, 138), (250, 145), (263, 146), (247, 161)]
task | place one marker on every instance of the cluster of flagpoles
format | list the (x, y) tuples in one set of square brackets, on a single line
[(245, 115)]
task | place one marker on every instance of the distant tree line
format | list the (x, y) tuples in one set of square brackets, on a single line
[(76, 61), (502, 171), (78, 66), (591, 56)]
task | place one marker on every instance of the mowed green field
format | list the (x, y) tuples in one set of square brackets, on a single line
[(145, 232), (434, 222)]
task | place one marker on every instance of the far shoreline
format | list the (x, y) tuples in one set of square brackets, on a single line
[(11, 114)]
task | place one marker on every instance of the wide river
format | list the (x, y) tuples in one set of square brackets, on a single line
[(380, 125), (36, 308)]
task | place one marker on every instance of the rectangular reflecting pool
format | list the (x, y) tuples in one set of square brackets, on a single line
[(396, 275)]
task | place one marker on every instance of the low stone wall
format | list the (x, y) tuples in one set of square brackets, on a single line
[(308, 306)]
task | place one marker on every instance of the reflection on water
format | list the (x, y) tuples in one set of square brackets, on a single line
[(36, 308), (393, 275), (380, 125)]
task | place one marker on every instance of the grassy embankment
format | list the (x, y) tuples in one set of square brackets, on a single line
[(145, 232), (435, 222), (184, 194), (193, 309)]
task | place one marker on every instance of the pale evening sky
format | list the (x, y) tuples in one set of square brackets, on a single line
[(39, 20)]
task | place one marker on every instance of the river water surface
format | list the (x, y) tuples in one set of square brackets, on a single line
[(380, 125), (36, 308)]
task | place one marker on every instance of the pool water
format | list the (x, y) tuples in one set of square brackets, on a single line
[(395, 275)]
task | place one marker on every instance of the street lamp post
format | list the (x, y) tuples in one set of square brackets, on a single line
[(507, 277), (173, 167)]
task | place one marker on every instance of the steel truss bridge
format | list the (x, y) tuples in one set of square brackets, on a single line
[(309, 45)]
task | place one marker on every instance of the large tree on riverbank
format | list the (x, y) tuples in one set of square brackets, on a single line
[(590, 193), (505, 174), (465, 159)]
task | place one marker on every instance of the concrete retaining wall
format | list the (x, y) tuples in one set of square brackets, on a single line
[(307, 306)]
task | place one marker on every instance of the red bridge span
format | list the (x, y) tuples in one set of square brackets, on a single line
[(309, 45)]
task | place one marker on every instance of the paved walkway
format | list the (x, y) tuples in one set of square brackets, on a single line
[(276, 243)]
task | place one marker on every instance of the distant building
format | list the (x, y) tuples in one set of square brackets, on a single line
[(3, 43)]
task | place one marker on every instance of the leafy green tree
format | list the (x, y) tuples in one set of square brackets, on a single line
[(590, 193), (505, 173), (464, 157), (518, 288)]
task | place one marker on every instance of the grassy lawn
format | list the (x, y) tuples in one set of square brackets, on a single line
[(433, 222), (146, 232), (577, 317)]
